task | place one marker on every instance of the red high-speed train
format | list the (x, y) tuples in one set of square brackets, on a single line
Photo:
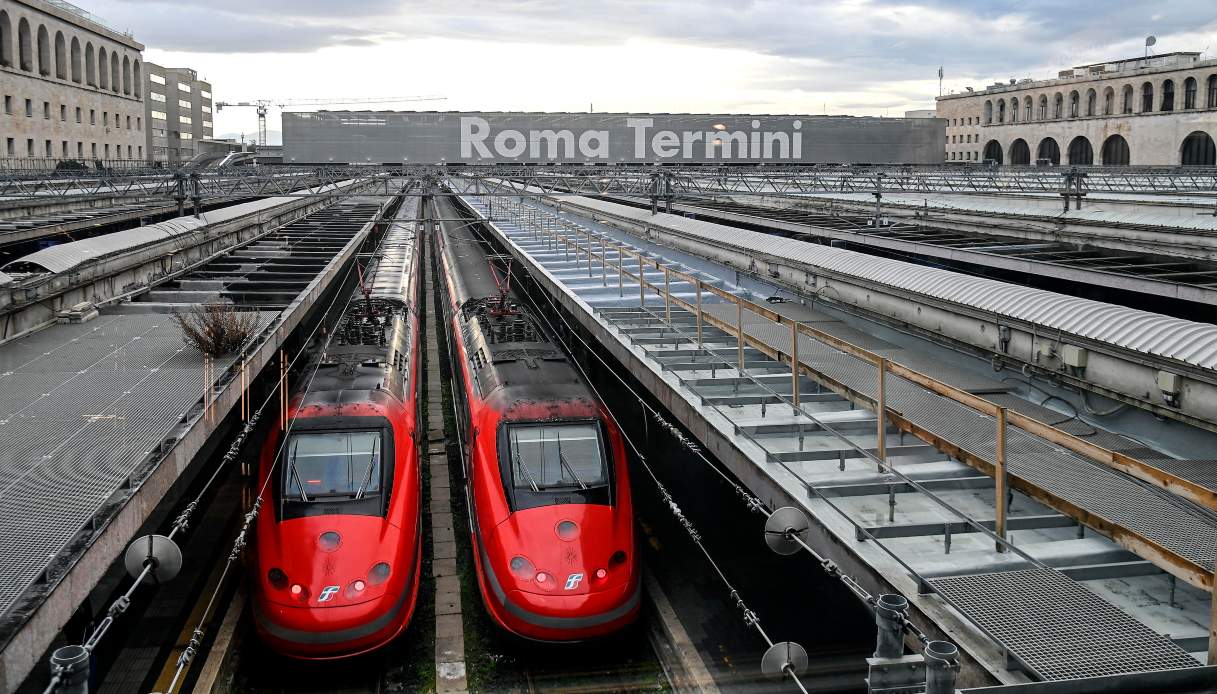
[(545, 466), (338, 543)]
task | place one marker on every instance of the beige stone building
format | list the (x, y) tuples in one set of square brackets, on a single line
[(72, 87), (1155, 111)]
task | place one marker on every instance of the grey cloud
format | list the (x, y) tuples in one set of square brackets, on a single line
[(877, 42)]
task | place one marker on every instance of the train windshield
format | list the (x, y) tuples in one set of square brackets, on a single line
[(333, 465), (557, 456)]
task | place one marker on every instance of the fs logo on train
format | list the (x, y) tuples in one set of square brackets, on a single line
[(573, 580)]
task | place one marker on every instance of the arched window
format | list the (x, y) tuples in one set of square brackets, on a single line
[(1198, 150), (1074, 104), (1058, 106), (126, 75), (1092, 100), (988, 113), (103, 69), (6, 40), (1211, 88), (1168, 95), (115, 75), (1126, 103), (1020, 153), (1115, 151), (1043, 107), (76, 76), (25, 45), (61, 56), (1049, 151), (1147, 97), (1001, 111), (1027, 108), (44, 52), (1080, 152), (90, 64), (1109, 101), (1014, 110), (993, 151), (136, 79), (1189, 93)]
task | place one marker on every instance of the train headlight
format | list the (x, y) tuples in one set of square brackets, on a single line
[(299, 592), (379, 574), (601, 574), (617, 559), (277, 578), (357, 586), (522, 569), (545, 581)]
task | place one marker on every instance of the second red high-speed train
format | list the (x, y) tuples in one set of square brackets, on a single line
[(545, 466), (337, 545)]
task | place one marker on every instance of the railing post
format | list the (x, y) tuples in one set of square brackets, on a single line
[(698, 283), (794, 364), (739, 330), (1213, 620), (999, 476), (642, 284), (603, 261), (881, 413), (620, 270), (667, 294)]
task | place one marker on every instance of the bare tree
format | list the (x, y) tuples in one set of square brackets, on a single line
[(216, 329)]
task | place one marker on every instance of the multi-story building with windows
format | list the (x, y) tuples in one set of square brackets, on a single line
[(178, 110), (72, 87), (1159, 110)]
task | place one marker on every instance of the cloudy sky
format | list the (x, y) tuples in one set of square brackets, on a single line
[(863, 57)]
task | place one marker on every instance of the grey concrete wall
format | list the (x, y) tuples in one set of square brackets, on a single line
[(451, 137)]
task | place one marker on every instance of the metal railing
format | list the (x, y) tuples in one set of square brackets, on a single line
[(572, 239), (568, 235)]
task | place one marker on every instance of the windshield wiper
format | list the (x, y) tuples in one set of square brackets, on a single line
[(520, 463), (562, 460), (299, 483), (367, 476)]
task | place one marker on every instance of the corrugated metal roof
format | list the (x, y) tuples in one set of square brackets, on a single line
[(1142, 331), (1110, 208), (65, 256)]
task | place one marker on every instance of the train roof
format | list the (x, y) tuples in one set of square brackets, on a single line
[(515, 361)]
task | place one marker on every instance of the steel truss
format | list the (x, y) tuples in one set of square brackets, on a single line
[(658, 183)]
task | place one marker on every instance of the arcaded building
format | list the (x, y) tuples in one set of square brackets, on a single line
[(1157, 111), (72, 87)]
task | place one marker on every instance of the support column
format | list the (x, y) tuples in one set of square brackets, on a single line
[(999, 476)]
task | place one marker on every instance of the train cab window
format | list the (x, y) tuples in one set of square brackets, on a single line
[(323, 468), (557, 463)]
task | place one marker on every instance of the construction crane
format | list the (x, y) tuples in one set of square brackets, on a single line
[(263, 105)]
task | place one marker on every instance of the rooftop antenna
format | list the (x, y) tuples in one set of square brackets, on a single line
[(939, 80), (1149, 41)]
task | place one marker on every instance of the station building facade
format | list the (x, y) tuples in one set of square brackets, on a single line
[(72, 87), (451, 137), (1154, 111), (178, 111)]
